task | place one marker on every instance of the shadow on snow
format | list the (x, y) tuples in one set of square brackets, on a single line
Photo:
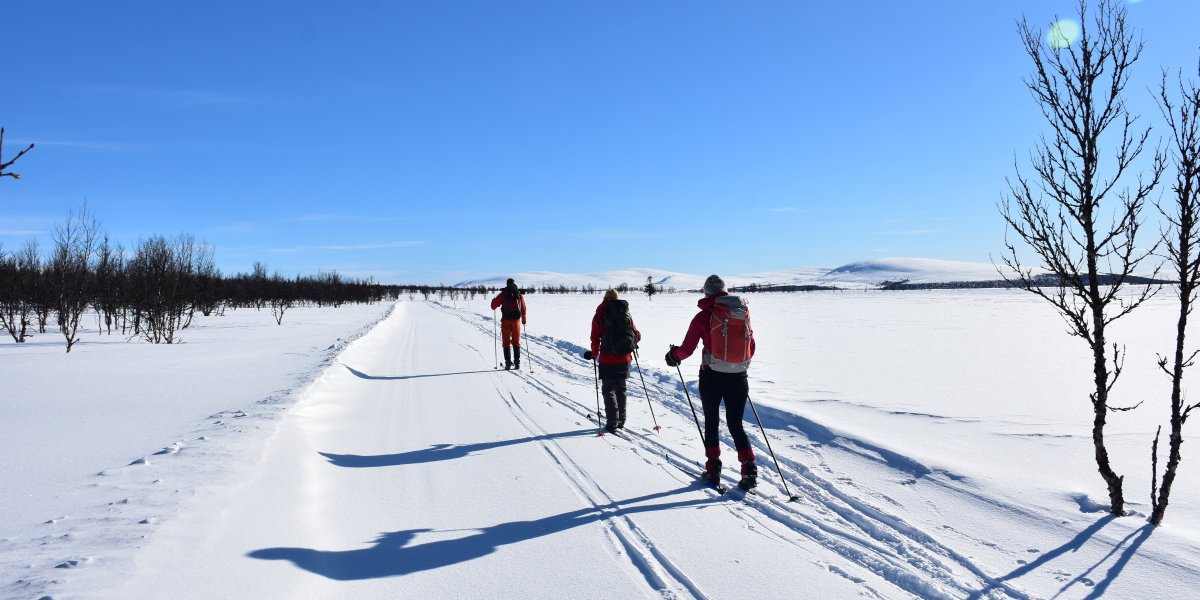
[(391, 555), (438, 452), (1076, 543), (362, 375)]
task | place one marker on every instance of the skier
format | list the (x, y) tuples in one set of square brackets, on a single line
[(614, 338), (511, 303), (722, 376)]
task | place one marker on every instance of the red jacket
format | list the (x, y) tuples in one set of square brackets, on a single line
[(499, 300), (598, 329), (698, 331)]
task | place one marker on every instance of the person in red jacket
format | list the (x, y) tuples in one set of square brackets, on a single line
[(614, 338), (511, 303), (715, 386)]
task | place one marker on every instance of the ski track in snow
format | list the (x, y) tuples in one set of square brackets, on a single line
[(658, 569), (882, 543)]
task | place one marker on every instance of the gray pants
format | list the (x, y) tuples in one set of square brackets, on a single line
[(613, 390)]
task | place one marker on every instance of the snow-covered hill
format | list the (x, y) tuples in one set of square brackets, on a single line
[(867, 273)]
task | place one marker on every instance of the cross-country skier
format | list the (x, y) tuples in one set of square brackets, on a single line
[(719, 378), (614, 338), (511, 303)]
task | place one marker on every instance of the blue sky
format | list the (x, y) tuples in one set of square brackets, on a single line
[(433, 141)]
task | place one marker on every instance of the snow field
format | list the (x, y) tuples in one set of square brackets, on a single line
[(938, 441)]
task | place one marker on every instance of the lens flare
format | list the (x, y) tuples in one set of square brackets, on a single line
[(1063, 33)]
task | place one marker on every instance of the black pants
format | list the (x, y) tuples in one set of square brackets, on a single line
[(613, 390), (733, 388)]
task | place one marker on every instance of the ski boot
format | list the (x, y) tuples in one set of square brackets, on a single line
[(749, 470), (507, 358), (517, 357), (712, 467)]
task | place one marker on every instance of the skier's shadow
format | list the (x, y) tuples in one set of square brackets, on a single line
[(362, 375), (1074, 545), (437, 452), (393, 556)]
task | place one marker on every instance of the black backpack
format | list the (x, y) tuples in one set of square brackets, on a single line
[(619, 336), (510, 309)]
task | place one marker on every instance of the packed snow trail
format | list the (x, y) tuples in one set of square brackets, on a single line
[(413, 467)]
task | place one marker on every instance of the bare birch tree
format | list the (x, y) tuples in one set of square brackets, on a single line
[(72, 274), (1056, 212), (1182, 241)]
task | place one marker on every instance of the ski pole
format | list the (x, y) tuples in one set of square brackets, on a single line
[(495, 341), (644, 389), (689, 399), (596, 378), (791, 497), (529, 348)]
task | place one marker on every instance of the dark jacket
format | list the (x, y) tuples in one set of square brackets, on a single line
[(615, 364), (518, 300)]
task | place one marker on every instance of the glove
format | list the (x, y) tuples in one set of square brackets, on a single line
[(671, 362), (587, 355), (524, 322)]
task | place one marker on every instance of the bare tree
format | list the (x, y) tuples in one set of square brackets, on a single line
[(1079, 86), (75, 243), (281, 297), (6, 165), (110, 276), (1182, 241), (19, 274)]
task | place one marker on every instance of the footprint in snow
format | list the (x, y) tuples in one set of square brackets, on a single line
[(172, 449), (140, 461), (71, 564)]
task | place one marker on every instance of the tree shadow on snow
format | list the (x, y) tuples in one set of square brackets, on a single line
[(362, 375), (1074, 545), (391, 554), (438, 452), (1138, 537)]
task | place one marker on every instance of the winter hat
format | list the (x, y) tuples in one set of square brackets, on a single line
[(713, 284), (611, 294), (510, 283)]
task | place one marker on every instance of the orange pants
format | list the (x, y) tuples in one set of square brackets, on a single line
[(510, 333)]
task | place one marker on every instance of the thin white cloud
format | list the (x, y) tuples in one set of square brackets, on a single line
[(910, 232), (351, 247), (98, 146), (173, 97), (20, 232), (378, 246), (326, 218)]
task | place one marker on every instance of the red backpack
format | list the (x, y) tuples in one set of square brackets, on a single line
[(730, 336)]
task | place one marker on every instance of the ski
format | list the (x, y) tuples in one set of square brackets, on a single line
[(744, 491), (719, 488)]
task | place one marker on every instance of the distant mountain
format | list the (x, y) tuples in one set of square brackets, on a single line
[(862, 274), (915, 270)]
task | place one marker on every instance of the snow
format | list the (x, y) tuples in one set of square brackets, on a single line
[(939, 443)]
